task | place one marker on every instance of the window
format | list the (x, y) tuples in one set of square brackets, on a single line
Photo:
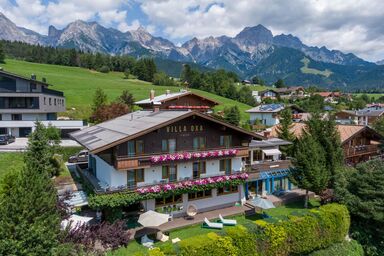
[(54, 101), (226, 166), (45, 102), (226, 141), (135, 147), (199, 194), (50, 101), (172, 199), (199, 143), (198, 169), (169, 172), (257, 155), (33, 86), (134, 176), (168, 145), (16, 117), (227, 189), (1, 117)]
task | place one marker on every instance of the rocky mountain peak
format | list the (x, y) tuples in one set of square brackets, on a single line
[(255, 35)]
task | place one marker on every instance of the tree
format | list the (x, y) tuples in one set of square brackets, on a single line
[(309, 171), (99, 99), (126, 73), (126, 98), (324, 131), (257, 80), (107, 112), (362, 191), (2, 55), (29, 219), (279, 83), (378, 125), (284, 131), (232, 115)]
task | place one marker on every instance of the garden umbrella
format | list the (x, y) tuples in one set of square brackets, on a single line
[(261, 203), (75, 221), (153, 219)]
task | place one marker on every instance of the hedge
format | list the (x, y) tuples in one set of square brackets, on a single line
[(299, 235), (352, 248)]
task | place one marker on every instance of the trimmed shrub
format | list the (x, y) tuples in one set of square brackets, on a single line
[(300, 235), (352, 248), (207, 245), (243, 240)]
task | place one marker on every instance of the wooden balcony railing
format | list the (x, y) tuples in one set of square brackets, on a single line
[(144, 161), (361, 150), (269, 165)]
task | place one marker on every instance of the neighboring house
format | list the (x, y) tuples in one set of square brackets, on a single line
[(268, 172), (293, 92), (298, 114), (375, 106), (177, 101), (266, 114), (332, 97), (366, 116), (360, 143), (266, 94), (145, 148), (24, 100), (246, 82)]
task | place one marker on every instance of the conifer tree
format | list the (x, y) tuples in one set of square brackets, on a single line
[(309, 171), (29, 219), (232, 115), (99, 99), (284, 131), (2, 54)]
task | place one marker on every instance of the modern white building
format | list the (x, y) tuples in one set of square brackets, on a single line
[(267, 115), (23, 101)]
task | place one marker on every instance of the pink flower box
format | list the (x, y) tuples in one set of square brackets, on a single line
[(196, 155)]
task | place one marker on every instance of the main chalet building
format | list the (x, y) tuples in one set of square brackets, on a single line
[(169, 145)]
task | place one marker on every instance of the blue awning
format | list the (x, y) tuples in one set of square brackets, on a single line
[(275, 173)]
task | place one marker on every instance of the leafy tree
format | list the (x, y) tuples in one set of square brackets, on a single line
[(107, 112), (126, 98), (126, 73), (99, 99), (310, 171), (284, 131), (29, 219), (257, 80), (163, 79), (279, 83), (2, 55), (378, 125), (232, 115), (362, 191), (313, 104)]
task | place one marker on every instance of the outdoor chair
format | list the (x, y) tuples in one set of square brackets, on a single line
[(191, 211), (161, 237), (227, 222), (212, 225)]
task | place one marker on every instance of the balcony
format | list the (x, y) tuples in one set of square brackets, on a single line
[(254, 170), (145, 161), (361, 150)]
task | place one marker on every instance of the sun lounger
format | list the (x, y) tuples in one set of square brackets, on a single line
[(208, 224), (145, 241), (175, 240), (161, 237), (227, 222)]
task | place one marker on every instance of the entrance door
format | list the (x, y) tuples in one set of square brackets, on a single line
[(24, 131), (131, 179)]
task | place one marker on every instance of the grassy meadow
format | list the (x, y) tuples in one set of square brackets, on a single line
[(79, 84)]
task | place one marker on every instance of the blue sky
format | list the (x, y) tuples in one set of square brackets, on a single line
[(347, 25)]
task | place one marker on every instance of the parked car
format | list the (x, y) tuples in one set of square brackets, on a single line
[(5, 139), (81, 157)]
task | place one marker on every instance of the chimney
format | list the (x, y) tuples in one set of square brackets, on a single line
[(167, 92), (267, 134), (152, 95), (33, 77)]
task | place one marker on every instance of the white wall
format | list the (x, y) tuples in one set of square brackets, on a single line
[(265, 118), (103, 170)]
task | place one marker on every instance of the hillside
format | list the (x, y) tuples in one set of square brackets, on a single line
[(79, 84)]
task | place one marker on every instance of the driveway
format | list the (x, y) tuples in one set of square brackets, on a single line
[(20, 144)]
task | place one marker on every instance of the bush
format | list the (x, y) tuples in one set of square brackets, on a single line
[(319, 229), (352, 248), (104, 69), (207, 245), (243, 240)]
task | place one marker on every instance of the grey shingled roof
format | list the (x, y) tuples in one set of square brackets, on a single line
[(366, 112), (103, 134), (268, 143), (162, 97)]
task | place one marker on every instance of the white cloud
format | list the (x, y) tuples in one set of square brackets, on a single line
[(338, 24)]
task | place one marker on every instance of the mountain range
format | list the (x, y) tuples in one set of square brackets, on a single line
[(254, 51)]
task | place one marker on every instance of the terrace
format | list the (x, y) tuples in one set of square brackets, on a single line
[(361, 150)]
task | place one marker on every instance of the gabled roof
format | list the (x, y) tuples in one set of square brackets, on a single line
[(365, 112), (13, 75), (158, 100), (268, 108), (289, 89), (346, 131), (113, 132), (270, 142)]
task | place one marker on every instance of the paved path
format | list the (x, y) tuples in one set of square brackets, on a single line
[(20, 144)]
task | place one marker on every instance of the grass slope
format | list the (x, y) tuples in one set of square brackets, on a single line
[(79, 84), (306, 70)]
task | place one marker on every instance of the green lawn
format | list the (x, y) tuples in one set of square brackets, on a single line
[(9, 162), (306, 70), (79, 84), (279, 213), (374, 95)]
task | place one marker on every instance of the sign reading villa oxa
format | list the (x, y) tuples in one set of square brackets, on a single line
[(184, 128)]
